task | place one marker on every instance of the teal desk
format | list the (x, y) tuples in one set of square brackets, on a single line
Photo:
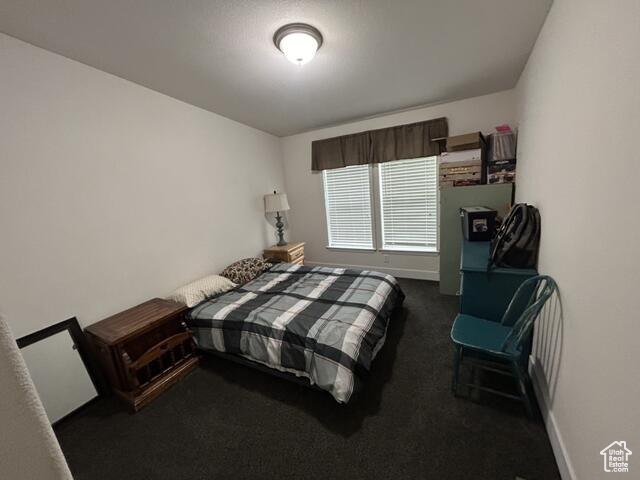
[(486, 293)]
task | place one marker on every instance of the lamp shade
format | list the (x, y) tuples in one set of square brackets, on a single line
[(276, 202)]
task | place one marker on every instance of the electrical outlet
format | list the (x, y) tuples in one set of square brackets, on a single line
[(386, 259)]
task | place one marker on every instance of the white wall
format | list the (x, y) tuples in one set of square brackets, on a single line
[(28, 448), (304, 188), (579, 162), (111, 194)]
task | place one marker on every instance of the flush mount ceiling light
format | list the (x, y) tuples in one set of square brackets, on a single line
[(298, 42)]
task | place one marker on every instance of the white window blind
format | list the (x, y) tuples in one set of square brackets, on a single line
[(409, 204), (347, 197)]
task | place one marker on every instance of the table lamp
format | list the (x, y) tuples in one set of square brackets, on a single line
[(277, 202)]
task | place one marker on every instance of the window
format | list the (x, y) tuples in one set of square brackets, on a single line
[(409, 204), (405, 202), (347, 197)]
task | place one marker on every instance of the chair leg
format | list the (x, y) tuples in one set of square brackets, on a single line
[(522, 388), (457, 359)]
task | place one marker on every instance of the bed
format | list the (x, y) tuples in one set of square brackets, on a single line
[(322, 324)]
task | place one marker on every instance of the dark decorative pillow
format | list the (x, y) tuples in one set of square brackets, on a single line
[(245, 270)]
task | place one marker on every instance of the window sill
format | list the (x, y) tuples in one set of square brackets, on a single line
[(350, 249), (385, 251), (391, 251)]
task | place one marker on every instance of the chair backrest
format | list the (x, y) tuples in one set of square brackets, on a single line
[(533, 294)]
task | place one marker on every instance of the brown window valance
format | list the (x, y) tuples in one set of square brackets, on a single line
[(413, 140)]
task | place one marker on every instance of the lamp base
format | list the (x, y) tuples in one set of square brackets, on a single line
[(279, 226)]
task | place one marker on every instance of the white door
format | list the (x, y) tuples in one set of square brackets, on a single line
[(59, 375)]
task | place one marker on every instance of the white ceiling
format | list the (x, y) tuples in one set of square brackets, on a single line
[(378, 55)]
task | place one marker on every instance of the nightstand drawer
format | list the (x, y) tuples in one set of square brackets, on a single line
[(296, 254), (291, 253)]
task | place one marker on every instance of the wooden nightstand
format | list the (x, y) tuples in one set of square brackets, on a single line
[(144, 350), (290, 253)]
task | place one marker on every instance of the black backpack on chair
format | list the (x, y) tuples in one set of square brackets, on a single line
[(518, 238)]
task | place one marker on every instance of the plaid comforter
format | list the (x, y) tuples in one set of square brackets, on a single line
[(326, 324)]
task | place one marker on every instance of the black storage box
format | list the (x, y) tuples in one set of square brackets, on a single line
[(478, 223)]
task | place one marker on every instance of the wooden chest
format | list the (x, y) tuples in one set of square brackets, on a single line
[(144, 350), (290, 253)]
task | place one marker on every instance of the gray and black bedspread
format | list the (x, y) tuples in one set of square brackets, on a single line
[(326, 324)]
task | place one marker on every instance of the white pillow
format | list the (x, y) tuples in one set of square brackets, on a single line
[(198, 291)]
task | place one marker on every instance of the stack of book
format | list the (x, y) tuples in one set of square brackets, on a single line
[(463, 163)]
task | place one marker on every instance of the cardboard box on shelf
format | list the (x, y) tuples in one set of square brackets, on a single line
[(468, 141), (465, 167), (461, 156), (445, 167), (501, 172), (460, 183), (461, 173)]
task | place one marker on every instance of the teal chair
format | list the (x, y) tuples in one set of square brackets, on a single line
[(503, 347)]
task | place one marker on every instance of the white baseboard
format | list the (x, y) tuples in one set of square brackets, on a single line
[(555, 438), (396, 272)]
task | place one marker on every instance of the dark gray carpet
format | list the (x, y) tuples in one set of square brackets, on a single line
[(229, 421)]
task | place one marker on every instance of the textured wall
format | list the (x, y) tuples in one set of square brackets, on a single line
[(28, 448)]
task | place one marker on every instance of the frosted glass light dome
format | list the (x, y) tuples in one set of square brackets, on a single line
[(299, 48), (298, 42)]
